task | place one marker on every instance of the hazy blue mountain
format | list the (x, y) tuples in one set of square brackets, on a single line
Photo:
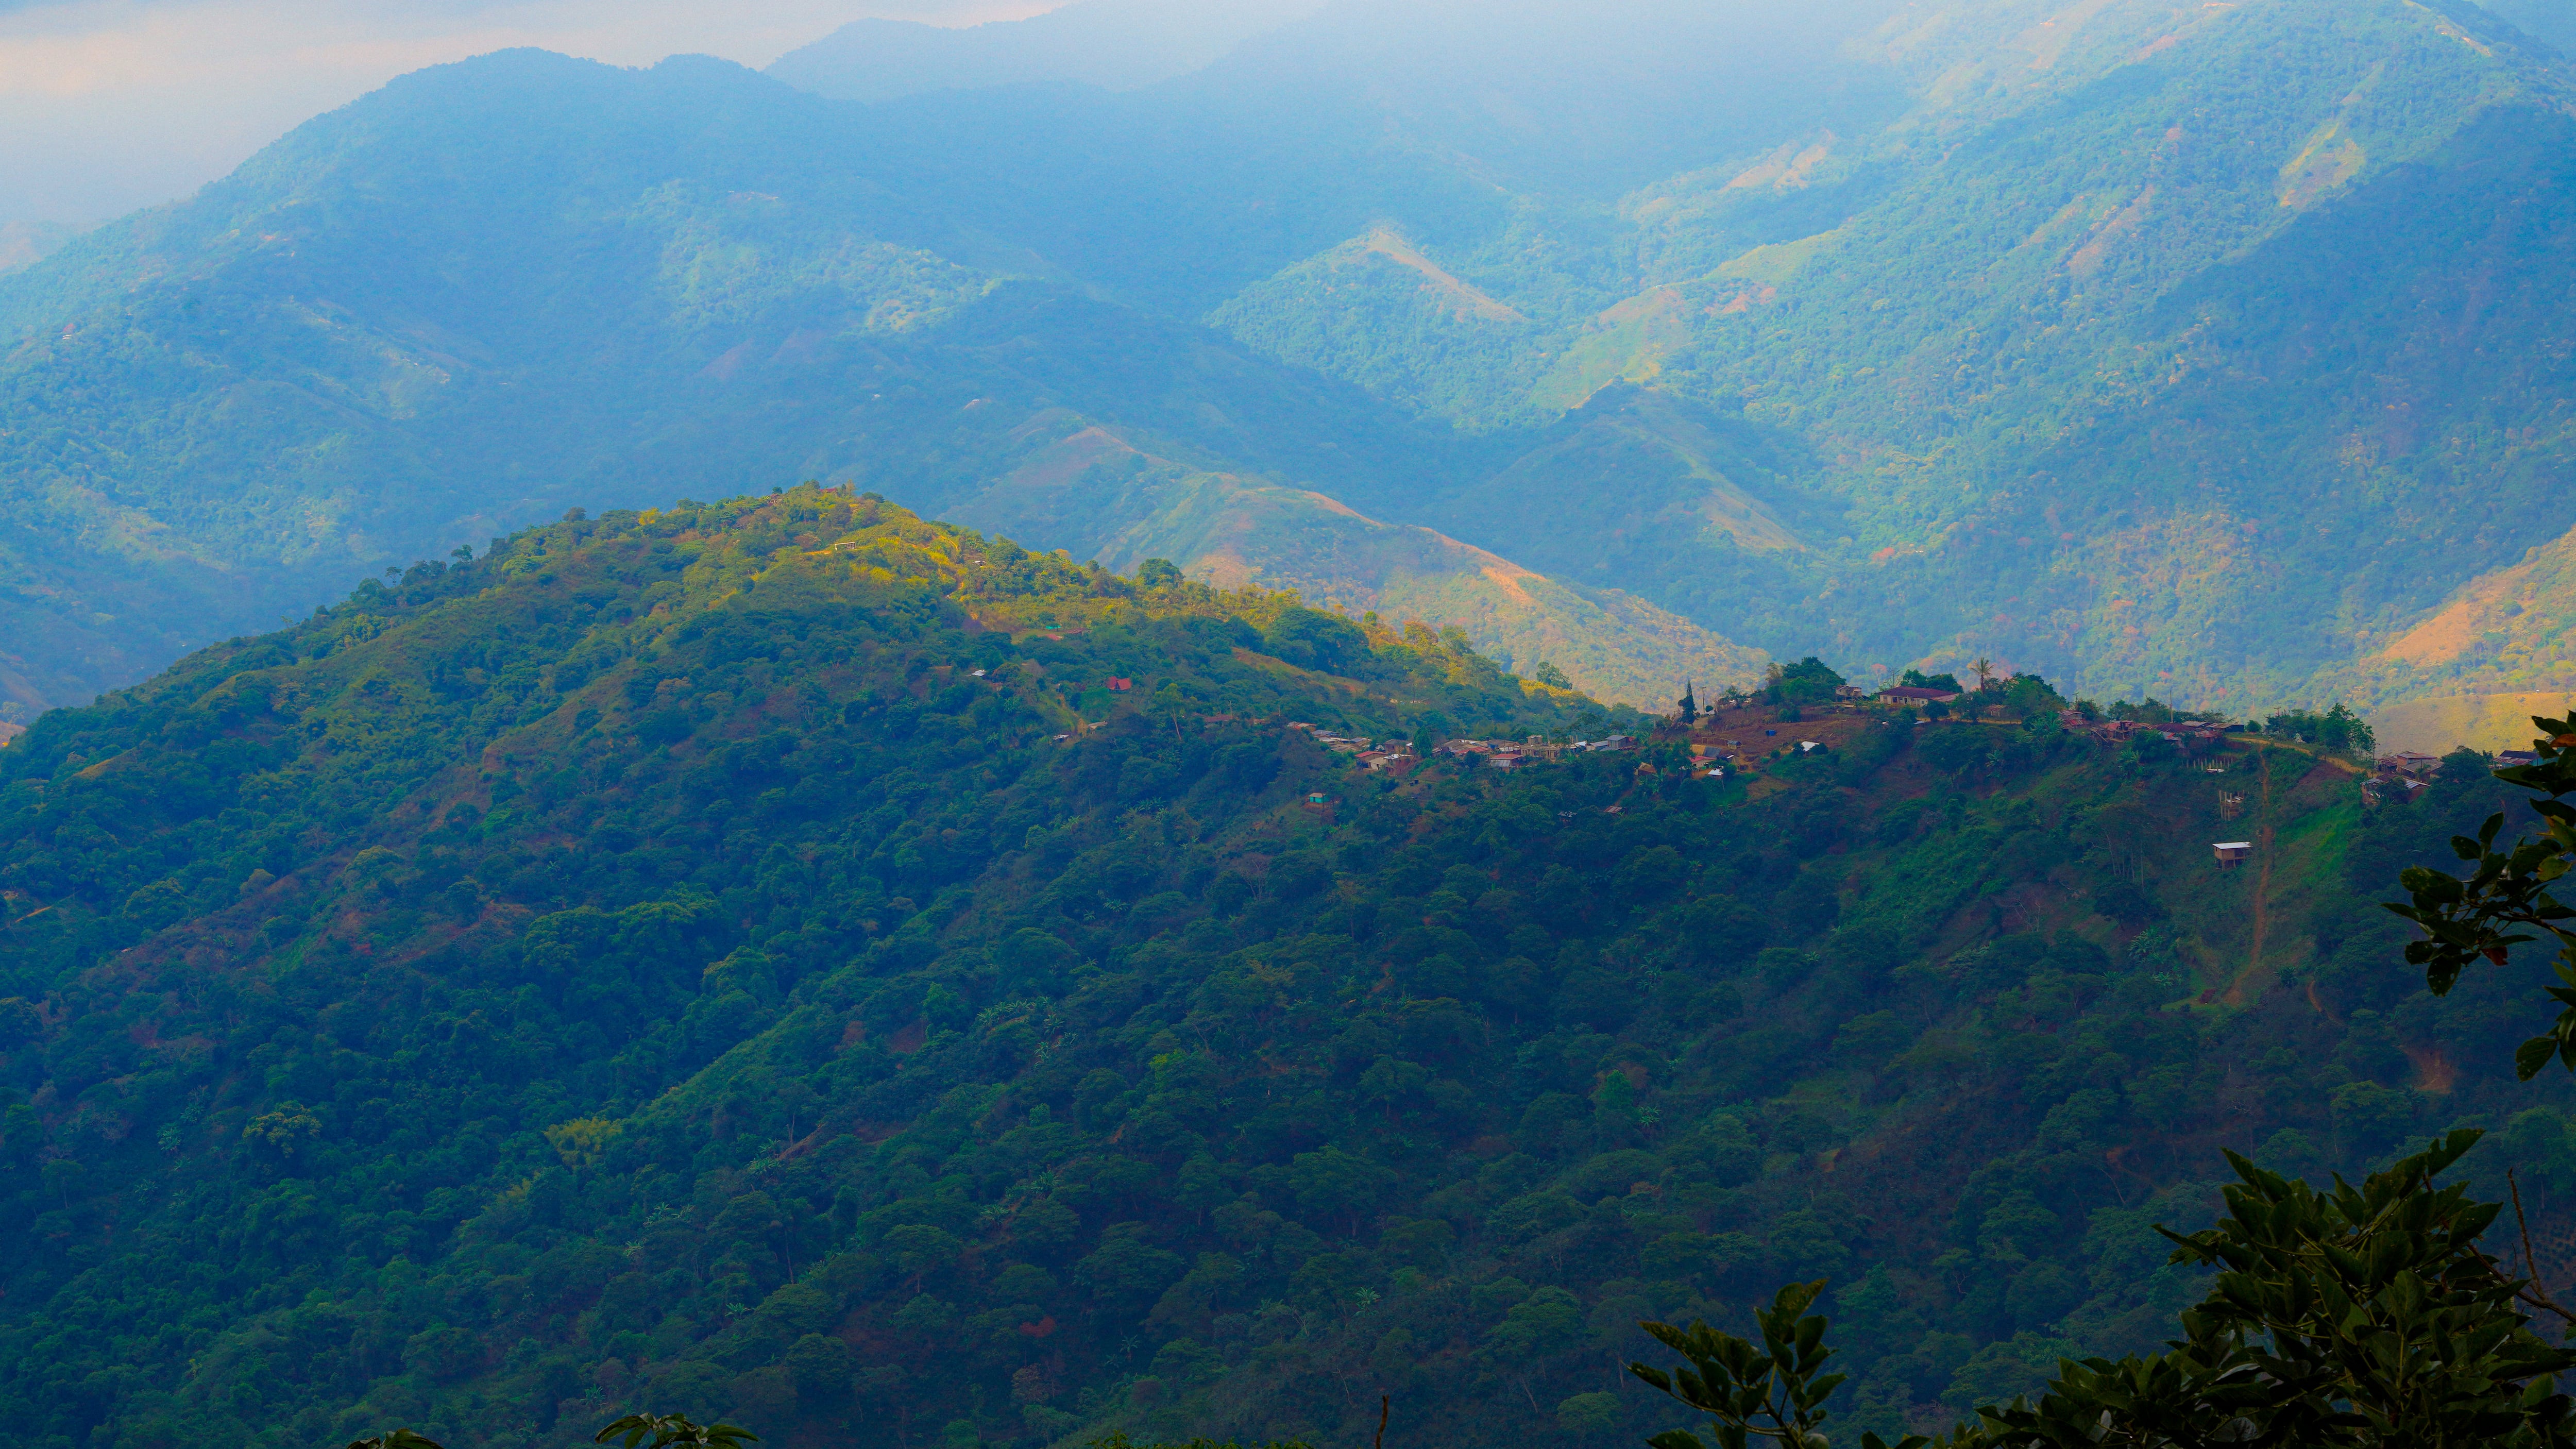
[(2551, 20), (497, 290), (2154, 346), (1573, 101), (2093, 357), (22, 242), (1118, 44)]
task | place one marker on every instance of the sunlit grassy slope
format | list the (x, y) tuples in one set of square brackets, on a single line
[(2486, 722), (1105, 498)]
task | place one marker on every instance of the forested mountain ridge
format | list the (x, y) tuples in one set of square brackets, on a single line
[(2154, 346), (1119, 44), (650, 965), (494, 290), (2054, 355)]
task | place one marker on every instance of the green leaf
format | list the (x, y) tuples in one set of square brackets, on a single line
[(2532, 1055)]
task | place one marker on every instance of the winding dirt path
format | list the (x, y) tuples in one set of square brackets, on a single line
[(2262, 888)]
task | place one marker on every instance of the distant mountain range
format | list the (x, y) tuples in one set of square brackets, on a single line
[(25, 242), (2208, 351), (1119, 44)]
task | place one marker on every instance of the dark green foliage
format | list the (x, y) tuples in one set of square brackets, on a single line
[(1774, 1391), (1118, 1440), (2031, 698), (395, 1439), (1806, 682), (2506, 896), (2151, 710), (2338, 728), (671, 1431), (410, 1038), (1313, 640), (2365, 1316)]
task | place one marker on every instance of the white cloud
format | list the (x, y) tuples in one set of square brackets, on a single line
[(108, 105)]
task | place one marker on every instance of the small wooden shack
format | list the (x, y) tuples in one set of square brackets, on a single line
[(2233, 852)]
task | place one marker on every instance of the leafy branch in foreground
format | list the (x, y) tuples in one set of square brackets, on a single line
[(635, 1431), (1738, 1385), (1119, 1440), (2505, 897), (2359, 1317), (396, 1439), (672, 1431)]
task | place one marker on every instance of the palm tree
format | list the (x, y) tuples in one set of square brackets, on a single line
[(1984, 669)]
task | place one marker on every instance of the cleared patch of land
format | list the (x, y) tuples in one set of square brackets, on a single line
[(2481, 721)]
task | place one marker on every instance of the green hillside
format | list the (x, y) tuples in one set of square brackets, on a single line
[(752, 959)]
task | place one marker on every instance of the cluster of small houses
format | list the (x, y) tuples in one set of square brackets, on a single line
[(2404, 775), (2400, 776), (2195, 736), (1395, 757)]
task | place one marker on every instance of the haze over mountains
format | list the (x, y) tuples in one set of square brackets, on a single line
[(2207, 351), (1120, 44), (840, 955)]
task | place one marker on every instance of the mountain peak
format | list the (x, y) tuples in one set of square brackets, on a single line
[(1113, 44)]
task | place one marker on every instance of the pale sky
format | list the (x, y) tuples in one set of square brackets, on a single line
[(111, 105)]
